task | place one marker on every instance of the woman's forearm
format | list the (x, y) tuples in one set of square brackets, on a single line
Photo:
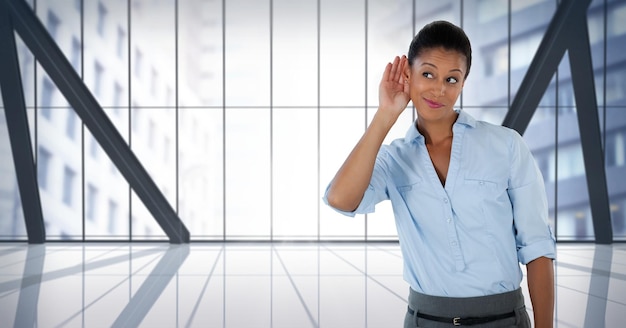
[(541, 287)]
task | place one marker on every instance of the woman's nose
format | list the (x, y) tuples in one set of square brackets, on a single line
[(439, 88)]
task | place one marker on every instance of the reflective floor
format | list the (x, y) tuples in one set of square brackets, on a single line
[(259, 285)]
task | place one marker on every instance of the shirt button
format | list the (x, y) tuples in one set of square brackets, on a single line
[(453, 243), (448, 220), (445, 200), (481, 183)]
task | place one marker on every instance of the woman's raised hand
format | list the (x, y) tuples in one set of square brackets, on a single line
[(393, 92)]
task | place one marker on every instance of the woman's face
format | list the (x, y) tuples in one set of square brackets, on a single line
[(436, 79)]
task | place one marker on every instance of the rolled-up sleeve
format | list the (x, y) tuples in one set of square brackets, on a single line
[(375, 192), (533, 237)]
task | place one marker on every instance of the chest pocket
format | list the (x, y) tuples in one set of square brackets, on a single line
[(482, 189)]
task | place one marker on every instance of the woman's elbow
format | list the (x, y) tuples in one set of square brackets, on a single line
[(338, 201)]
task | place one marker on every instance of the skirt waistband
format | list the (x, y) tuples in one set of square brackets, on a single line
[(466, 306)]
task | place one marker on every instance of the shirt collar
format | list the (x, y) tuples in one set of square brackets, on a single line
[(464, 118)]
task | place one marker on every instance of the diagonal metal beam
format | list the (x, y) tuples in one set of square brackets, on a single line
[(568, 31), (47, 52), (19, 134), (590, 135)]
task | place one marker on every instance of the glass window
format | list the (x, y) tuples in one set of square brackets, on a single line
[(617, 17), (112, 216), (118, 94), (76, 51), (201, 59), (98, 76), (121, 42), (295, 168), (93, 147), (102, 19), (91, 202), (154, 81), (52, 24), (615, 149), (151, 134), (340, 129), (43, 167), (47, 92), (69, 177), (248, 188), (146, 145), (71, 126), (138, 62), (294, 45), (201, 172), (342, 61), (247, 53), (152, 33)]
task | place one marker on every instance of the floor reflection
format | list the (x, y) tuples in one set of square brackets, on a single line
[(258, 285)]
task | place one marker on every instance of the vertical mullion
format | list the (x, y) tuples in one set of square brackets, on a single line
[(271, 186), (224, 121), (82, 130), (556, 149), (130, 116), (319, 7), (365, 86), (176, 2)]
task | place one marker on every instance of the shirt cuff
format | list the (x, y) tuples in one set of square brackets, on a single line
[(536, 250), (365, 206)]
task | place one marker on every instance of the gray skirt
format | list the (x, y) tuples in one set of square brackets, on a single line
[(462, 308)]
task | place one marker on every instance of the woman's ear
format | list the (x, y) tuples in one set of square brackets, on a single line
[(406, 75)]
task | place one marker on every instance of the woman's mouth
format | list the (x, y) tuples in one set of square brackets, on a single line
[(433, 104)]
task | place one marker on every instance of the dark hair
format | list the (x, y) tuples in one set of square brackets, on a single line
[(441, 34)]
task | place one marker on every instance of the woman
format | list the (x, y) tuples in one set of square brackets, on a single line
[(468, 199)]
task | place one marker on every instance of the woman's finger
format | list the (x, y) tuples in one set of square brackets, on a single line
[(394, 69), (387, 72)]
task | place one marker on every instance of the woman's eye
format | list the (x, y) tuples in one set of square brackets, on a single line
[(427, 75), (452, 80)]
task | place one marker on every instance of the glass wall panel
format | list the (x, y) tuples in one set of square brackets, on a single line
[(105, 49), (201, 171), (247, 173), (153, 136), (615, 55), (342, 58), (540, 136), (596, 22), (58, 133), (428, 11), (247, 51), (486, 23), (389, 33), (11, 214), (294, 53), (615, 161), (152, 51), (105, 54), (107, 194), (295, 194), (200, 58), (573, 212), (528, 25), (340, 130)]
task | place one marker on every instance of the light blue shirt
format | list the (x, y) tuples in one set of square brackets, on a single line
[(467, 238)]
